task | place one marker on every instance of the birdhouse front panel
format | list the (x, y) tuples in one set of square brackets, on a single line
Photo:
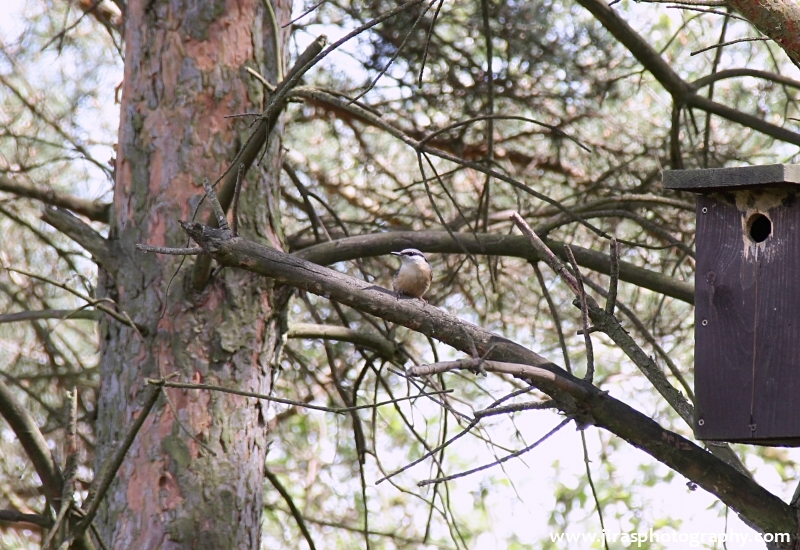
[(747, 315)]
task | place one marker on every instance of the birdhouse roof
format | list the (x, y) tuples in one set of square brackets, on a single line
[(715, 179)]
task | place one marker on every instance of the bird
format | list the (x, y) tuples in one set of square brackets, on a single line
[(415, 274)]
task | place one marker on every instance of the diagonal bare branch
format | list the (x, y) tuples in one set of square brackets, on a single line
[(94, 210), (80, 232)]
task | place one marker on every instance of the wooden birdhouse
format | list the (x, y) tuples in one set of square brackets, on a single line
[(747, 302)]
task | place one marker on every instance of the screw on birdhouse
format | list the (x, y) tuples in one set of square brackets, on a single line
[(701, 422), (705, 210), (705, 322)]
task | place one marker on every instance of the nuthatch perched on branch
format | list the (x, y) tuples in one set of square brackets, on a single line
[(415, 274)]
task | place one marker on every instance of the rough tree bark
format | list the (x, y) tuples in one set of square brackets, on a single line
[(778, 19), (184, 72)]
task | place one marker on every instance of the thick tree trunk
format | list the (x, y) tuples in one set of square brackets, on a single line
[(184, 72)]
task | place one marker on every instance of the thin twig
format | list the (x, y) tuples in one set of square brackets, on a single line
[(428, 41), (714, 12), (283, 401), (554, 314), (392, 533), (299, 17), (364, 502), (496, 462), (188, 251), (587, 337), (591, 484), (512, 395), (98, 304), (432, 201), (547, 254), (344, 395), (101, 16), (432, 452), (222, 222), (296, 513), (174, 410), (439, 402), (756, 39), (517, 407), (514, 369), (362, 339), (235, 207), (98, 538), (316, 222), (613, 282), (266, 83), (710, 93)]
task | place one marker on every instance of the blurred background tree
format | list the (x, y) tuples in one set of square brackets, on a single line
[(578, 106)]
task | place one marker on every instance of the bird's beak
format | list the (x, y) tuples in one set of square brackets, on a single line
[(396, 254)]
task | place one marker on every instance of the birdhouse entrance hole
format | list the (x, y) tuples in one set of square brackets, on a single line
[(759, 227)]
